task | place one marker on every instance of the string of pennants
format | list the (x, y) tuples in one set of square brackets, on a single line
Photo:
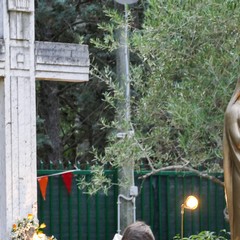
[(66, 177)]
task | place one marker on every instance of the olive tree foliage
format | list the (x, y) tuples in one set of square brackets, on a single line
[(189, 68), (184, 66)]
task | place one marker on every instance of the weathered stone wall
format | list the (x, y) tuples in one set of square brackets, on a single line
[(18, 114), (1, 19), (3, 189), (61, 61), (2, 58), (21, 5)]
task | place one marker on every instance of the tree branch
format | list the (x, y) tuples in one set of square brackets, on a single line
[(183, 168)]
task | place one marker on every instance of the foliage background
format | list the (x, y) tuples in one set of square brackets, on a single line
[(187, 74), (68, 113), (184, 66)]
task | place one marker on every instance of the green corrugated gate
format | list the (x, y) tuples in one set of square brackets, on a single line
[(78, 216)]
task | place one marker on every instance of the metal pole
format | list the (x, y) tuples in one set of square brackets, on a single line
[(119, 203), (127, 212), (127, 81), (182, 219), (127, 93)]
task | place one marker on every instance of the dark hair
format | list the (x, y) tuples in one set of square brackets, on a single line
[(138, 231)]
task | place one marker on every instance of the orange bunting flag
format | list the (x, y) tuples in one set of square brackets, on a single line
[(67, 179), (43, 182)]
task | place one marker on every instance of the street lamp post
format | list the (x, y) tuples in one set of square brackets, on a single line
[(191, 203), (128, 193), (126, 58)]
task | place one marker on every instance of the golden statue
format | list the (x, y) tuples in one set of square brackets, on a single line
[(231, 162)]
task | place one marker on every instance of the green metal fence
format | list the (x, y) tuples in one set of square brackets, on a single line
[(159, 204), (78, 216)]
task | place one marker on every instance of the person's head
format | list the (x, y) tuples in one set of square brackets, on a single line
[(138, 231)]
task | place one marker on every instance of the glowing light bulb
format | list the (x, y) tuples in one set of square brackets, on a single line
[(191, 203)]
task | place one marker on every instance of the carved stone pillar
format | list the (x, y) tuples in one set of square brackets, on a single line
[(17, 121)]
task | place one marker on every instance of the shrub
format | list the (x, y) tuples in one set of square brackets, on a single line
[(207, 235)]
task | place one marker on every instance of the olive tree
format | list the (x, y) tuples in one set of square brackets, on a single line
[(184, 64)]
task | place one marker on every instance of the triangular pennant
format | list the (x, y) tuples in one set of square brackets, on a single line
[(43, 182), (67, 179)]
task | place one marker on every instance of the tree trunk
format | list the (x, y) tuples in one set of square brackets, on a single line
[(49, 111)]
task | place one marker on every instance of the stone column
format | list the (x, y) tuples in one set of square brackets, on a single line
[(18, 190), (1, 19)]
